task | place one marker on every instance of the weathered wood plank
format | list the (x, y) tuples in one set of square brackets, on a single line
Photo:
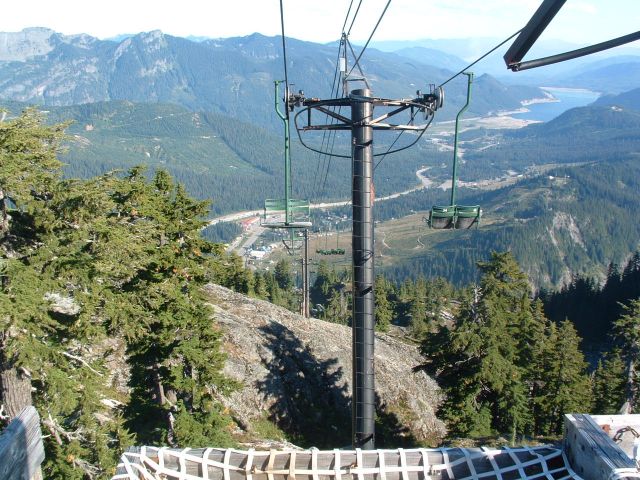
[(590, 451), (21, 447)]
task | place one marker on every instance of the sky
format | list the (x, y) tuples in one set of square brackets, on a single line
[(580, 21)]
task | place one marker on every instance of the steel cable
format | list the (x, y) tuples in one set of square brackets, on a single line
[(370, 37), (481, 58)]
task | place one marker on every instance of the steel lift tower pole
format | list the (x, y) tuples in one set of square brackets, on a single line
[(362, 125), (363, 404)]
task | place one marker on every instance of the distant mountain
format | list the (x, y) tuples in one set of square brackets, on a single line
[(599, 121), (629, 100), (431, 56), (607, 77), (232, 76), (35, 42), (470, 48)]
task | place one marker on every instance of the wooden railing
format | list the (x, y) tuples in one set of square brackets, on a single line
[(21, 448)]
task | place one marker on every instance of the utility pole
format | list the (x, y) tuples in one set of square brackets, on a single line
[(362, 124)]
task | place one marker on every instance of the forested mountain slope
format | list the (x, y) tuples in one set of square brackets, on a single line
[(630, 99), (217, 157), (576, 217)]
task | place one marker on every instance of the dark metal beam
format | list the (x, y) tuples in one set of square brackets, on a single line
[(581, 52), (532, 30)]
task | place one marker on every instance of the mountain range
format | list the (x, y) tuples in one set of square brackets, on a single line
[(232, 76)]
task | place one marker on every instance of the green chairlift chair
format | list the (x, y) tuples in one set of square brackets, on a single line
[(286, 213), (456, 216), (331, 251)]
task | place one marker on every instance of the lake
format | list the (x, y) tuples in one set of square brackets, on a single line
[(569, 98)]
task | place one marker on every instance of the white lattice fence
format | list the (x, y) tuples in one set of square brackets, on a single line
[(539, 463)]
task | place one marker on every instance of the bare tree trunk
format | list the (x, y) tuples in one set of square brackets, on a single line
[(162, 398), (627, 407), (4, 217), (15, 388)]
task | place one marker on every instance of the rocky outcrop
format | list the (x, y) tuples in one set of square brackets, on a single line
[(297, 373)]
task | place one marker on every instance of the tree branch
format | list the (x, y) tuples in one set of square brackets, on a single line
[(74, 357)]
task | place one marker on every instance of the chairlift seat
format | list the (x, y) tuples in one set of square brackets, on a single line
[(454, 216), (467, 216), (331, 251), (442, 217), (275, 214)]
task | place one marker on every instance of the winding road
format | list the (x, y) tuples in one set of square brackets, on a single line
[(425, 182)]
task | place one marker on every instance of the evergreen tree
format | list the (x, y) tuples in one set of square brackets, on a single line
[(609, 382), (87, 262), (567, 387), (283, 274), (627, 336), (383, 310), (418, 308), (47, 321), (476, 361), (260, 286), (502, 365)]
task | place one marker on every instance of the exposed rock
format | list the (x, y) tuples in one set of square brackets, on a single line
[(297, 372), (29, 43), (63, 305)]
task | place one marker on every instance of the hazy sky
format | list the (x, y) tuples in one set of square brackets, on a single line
[(580, 21)]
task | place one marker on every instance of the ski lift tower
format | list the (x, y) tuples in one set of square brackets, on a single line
[(362, 123)]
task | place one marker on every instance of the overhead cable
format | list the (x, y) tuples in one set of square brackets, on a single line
[(370, 36), (346, 18), (354, 17), (321, 156), (481, 58)]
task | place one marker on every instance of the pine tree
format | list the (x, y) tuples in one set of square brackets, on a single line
[(567, 387), (283, 276), (383, 310), (85, 261), (502, 365), (609, 382), (47, 322), (627, 336), (418, 309)]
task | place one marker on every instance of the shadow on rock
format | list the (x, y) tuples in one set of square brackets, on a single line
[(310, 398), (390, 432)]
